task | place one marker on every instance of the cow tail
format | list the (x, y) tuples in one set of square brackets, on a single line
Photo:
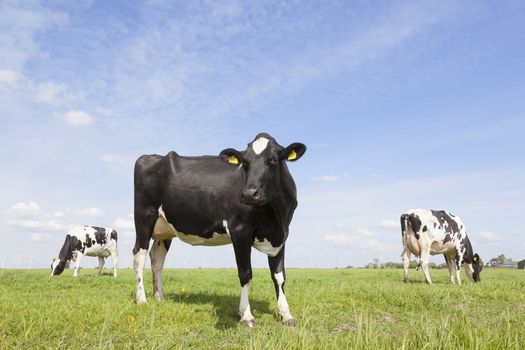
[(404, 225)]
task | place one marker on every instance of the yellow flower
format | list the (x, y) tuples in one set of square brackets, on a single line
[(131, 318), (183, 290)]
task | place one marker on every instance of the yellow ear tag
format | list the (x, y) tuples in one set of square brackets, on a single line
[(233, 160), (292, 155), (475, 259)]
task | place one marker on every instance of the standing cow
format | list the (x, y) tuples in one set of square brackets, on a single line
[(90, 241), (426, 232), (244, 198)]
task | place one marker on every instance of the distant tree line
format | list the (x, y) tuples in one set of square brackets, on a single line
[(500, 260)]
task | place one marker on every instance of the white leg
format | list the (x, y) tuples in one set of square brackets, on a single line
[(77, 264), (101, 261), (158, 255), (451, 269), (245, 312), (469, 270), (406, 262), (114, 261), (139, 260), (282, 304), (425, 254), (458, 273)]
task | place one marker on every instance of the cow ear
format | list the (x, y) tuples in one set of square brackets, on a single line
[(293, 152), (231, 156)]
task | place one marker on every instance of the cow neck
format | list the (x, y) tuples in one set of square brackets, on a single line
[(283, 204)]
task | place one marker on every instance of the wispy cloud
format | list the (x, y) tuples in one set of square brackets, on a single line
[(10, 77), (27, 215), (389, 223), (78, 118), (126, 224), (359, 239), (20, 24), (117, 159), (489, 237), (326, 178), (90, 212), (53, 93)]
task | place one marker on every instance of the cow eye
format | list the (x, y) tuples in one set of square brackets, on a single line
[(271, 161)]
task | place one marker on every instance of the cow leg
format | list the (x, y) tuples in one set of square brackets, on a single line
[(114, 259), (243, 252), (450, 265), (139, 260), (77, 264), (100, 264), (144, 222), (279, 276), (457, 266), (425, 254), (157, 254), (406, 262)]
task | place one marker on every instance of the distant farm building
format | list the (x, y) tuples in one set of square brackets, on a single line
[(521, 265), (496, 263)]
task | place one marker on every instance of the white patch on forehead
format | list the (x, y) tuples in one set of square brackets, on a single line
[(266, 247), (259, 145)]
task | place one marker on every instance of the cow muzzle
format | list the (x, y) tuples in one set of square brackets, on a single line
[(251, 196)]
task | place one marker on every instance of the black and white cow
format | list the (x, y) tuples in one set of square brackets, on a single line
[(245, 198), (432, 232), (90, 241)]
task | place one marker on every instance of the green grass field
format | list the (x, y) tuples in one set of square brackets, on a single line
[(340, 308)]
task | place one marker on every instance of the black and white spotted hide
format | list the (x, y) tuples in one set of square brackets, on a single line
[(86, 240), (431, 232)]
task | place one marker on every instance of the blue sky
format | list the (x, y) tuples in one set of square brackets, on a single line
[(402, 104)]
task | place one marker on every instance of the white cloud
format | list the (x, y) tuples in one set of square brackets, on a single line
[(490, 237), (92, 212), (389, 223), (124, 224), (9, 77), (78, 118), (21, 21), (53, 93), (43, 237), (360, 239), (23, 209), (28, 216), (117, 159), (326, 178)]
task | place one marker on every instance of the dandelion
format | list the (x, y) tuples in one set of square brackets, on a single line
[(131, 318)]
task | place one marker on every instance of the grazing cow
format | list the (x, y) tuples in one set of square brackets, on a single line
[(244, 198), (90, 241), (426, 232)]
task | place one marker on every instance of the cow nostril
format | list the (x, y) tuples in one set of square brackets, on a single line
[(256, 194)]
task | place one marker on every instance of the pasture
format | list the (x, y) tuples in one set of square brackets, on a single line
[(337, 308)]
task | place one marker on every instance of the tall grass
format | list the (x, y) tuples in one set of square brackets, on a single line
[(343, 308)]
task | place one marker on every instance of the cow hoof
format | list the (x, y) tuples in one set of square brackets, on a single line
[(290, 322), (248, 323), (140, 301)]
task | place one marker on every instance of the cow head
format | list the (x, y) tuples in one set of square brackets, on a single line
[(71, 244), (473, 268), (263, 161), (477, 266), (57, 266)]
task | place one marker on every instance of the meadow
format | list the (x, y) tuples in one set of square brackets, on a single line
[(334, 308)]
